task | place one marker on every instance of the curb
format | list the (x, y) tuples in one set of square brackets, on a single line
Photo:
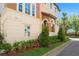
[(57, 50)]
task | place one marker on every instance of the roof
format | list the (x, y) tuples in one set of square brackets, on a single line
[(57, 6)]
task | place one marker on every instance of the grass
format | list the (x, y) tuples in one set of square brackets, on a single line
[(40, 51), (36, 52)]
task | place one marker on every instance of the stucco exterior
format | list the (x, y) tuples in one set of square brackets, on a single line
[(46, 8), (50, 15), (14, 25)]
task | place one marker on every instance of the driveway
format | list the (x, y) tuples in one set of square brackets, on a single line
[(72, 49)]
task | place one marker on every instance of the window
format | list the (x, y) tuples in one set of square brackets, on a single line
[(28, 28), (20, 7), (45, 23), (27, 8), (51, 5), (25, 30), (33, 10)]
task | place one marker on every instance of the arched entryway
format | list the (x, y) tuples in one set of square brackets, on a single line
[(50, 24), (44, 22), (48, 20)]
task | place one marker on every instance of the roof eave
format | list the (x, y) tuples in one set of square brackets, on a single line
[(57, 6), (52, 16)]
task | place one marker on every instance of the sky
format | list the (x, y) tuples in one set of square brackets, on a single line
[(69, 8)]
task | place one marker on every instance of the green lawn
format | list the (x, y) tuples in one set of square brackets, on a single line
[(40, 51)]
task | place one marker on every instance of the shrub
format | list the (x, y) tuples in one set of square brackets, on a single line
[(44, 37), (2, 50), (53, 39), (16, 46), (1, 38), (61, 34), (30, 43), (66, 38), (1, 47), (26, 44), (6, 47), (23, 44)]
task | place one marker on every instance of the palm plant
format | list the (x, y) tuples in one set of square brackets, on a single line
[(64, 23)]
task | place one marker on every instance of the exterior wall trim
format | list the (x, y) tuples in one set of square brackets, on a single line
[(52, 16)]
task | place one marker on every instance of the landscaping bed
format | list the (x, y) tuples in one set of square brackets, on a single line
[(33, 47), (36, 49), (41, 51), (18, 47)]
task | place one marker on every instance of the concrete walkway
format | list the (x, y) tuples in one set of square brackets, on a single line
[(72, 49)]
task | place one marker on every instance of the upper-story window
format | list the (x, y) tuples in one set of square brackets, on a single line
[(27, 8), (51, 5), (33, 9), (20, 7)]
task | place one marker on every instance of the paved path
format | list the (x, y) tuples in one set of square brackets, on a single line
[(72, 49)]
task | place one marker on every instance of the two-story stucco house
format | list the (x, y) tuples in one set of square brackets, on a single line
[(24, 21)]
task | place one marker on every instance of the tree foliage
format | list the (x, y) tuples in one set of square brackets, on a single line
[(61, 34), (75, 23), (64, 23), (71, 22), (44, 37)]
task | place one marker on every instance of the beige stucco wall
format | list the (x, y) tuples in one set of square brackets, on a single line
[(14, 25), (46, 8)]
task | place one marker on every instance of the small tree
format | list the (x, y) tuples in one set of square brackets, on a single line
[(61, 34), (44, 37)]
